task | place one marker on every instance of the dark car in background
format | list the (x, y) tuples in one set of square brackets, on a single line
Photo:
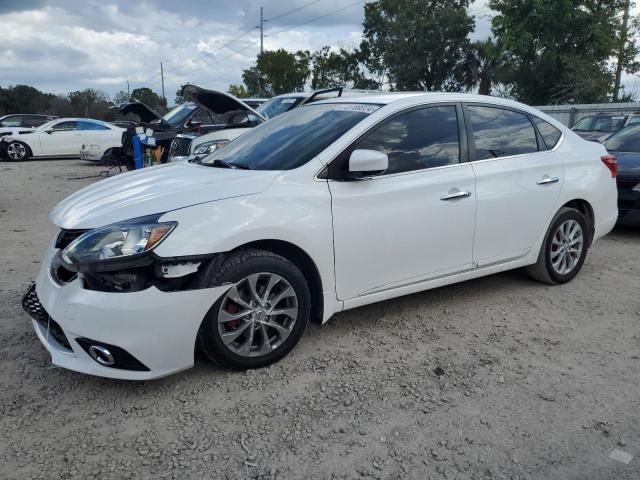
[(625, 145), (597, 128), (13, 124)]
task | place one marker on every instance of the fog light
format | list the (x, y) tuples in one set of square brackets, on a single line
[(101, 355)]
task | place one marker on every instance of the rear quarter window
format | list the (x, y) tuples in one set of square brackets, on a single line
[(550, 134)]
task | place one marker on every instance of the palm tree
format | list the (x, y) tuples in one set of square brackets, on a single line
[(485, 65)]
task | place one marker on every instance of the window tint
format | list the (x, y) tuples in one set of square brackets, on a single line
[(500, 133), (600, 123), (12, 121), (65, 126), (550, 134), (91, 126), (33, 121), (416, 140)]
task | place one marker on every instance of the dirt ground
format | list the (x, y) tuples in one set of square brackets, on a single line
[(536, 382)]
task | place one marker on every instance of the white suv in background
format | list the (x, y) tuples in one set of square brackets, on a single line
[(328, 207)]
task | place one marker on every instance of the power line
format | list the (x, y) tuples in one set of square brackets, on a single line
[(286, 14), (316, 18)]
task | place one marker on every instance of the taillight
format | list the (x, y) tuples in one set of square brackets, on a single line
[(611, 162)]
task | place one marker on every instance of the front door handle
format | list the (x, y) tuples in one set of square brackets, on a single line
[(455, 195), (547, 180)]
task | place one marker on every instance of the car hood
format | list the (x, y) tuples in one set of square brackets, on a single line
[(218, 102), (628, 164), (143, 111), (155, 190)]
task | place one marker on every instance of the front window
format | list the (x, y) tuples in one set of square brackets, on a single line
[(277, 106), (292, 139), (179, 114), (626, 140), (600, 123)]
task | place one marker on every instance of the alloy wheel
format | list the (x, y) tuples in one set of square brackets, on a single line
[(16, 151), (566, 247), (257, 314)]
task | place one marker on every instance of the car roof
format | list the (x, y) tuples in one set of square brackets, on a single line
[(52, 117)]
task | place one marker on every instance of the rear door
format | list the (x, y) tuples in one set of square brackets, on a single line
[(416, 220), (518, 181)]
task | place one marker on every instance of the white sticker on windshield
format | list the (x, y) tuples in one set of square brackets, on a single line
[(617, 118), (357, 107), (289, 100)]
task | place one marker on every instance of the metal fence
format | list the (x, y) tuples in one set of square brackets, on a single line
[(570, 114)]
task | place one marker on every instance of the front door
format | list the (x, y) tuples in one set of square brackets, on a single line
[(63, 138), (416, 220), (518, 182)]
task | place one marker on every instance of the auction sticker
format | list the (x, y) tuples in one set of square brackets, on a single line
[(357, 107)]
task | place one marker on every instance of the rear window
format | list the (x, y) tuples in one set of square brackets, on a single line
[(626, 140), (550, 134), (600, 123)]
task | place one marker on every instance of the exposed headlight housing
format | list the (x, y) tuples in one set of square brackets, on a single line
[(116, 246), (209, 147)]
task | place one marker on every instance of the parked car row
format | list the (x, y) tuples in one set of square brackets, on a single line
[(337, 204)]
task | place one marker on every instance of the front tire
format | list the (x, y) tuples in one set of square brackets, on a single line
[(18, 151), (261, 318), (564, 249)]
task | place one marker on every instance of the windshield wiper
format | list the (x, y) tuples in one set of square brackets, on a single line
[(224, 164)]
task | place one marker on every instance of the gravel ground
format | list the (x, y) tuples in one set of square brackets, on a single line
[(495, 378)]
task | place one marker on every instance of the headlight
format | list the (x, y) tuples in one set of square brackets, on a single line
[(116, 242), (636, 188), (209, 147)]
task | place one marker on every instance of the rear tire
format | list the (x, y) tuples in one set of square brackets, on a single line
[(261, 318), (563, 250)]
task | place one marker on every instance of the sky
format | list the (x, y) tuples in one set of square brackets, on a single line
[(66, 45)]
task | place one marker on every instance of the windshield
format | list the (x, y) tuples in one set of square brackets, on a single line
[(600, 123), (292, 139), (179, 114), (44, 126), (276, 106), (626, 140)]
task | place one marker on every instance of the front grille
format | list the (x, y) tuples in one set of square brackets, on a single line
[(65, 237), (31, 304), (180, 147)]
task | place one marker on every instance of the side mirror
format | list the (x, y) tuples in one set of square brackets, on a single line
[(364, 163), (49, 131), (194, 123)]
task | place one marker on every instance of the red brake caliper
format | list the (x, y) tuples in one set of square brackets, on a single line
[(231, 309)]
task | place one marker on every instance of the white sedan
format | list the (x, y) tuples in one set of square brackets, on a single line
[(326, 208), (63, 137)]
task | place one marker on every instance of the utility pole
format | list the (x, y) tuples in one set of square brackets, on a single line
[(624, 32), (162, 77), (128, 92), (261, 27)]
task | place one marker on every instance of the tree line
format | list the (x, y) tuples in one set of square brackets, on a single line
[(541, 52), (88, 103)]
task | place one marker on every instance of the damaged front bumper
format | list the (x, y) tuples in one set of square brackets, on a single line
[(149, 334)]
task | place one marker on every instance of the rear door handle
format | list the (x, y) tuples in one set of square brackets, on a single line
[(455, 195), (547, 180)]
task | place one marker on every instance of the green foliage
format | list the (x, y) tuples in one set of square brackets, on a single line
[(24, 99), (339, 68), (277, 72), (238, 91), (559, 49), (485, 65), (420, 44), (149, 98)]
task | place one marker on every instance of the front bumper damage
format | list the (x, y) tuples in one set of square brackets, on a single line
[(157, 329)]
